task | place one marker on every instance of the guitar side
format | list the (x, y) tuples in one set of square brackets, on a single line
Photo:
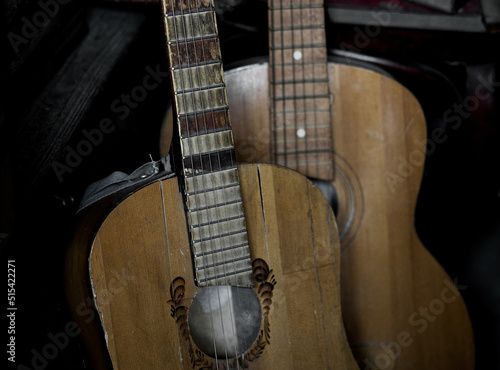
[(401, 309), (143, 246)]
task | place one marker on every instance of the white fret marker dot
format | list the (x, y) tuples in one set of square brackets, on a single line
[(297, 55), (301, 133)]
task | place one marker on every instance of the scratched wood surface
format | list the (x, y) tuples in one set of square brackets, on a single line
[(389, 280), (138, 251), (393, 290)]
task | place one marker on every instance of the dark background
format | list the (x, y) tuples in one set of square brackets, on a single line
[(62, 79)]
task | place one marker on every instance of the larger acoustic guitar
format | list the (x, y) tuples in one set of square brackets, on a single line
[(223, 267), (361, 137)]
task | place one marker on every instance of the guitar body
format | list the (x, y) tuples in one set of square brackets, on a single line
[(141, 273), (401, 310)]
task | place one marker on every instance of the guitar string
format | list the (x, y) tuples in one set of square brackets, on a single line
[(199, 139), (233, 164), (218, 220), (272, 65), (225, 208), (188, 69), (294, 82), (304, 84), (315, 111), (177, 44), (272, 56), (166, 244), (313, 75), (237, 288), (304, 68), (324, 64), (283, 104), (190, 76), (182, 82)]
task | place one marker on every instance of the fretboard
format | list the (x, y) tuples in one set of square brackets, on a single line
[(216, 219), (298, 85)]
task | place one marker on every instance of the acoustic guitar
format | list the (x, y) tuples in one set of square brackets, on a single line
[(225, 266), (361, 137)]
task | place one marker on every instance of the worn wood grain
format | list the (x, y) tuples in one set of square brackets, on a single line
[(389, 280), (399, 305), (139, 250)]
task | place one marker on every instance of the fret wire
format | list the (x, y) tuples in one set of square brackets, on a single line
[(195, 89), (215, 131), (314, 124), (288, 7), (302, 27), (314, 93), (211, 238), (204, 163), (224, 263), (217, 267), (198, 38), (235, 272), (182, 84), (208, 110), (215, 61), (300, 64), (182, 81), (215, 170), (304, 97), (295, 85), (194, 183), (310, 138), (224, 249), (215, 205), (283, 61), (295, 81), (220, 166), (304, 152), (305, 81), (198, 141), (235, 232), (273, 77), (219, 124), (213, 151), (303, 111), (215, 264), (214, 222), (232, 164), (302, 46), (198, 8), (214, 189)]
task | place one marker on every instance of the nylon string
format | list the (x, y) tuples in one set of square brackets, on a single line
[(218, 221), (227, 122), (188, 131)]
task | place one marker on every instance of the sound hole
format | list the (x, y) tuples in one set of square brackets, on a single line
[(329, 192), (345, 195), (224, 321)]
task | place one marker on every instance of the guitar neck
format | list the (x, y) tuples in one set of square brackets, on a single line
[(299, 88), (216, 218)]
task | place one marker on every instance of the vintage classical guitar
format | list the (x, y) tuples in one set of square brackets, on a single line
[(361, 136), (222, 267)]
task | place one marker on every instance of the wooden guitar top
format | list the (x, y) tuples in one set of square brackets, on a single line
[(143, 246), (400, 308)]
